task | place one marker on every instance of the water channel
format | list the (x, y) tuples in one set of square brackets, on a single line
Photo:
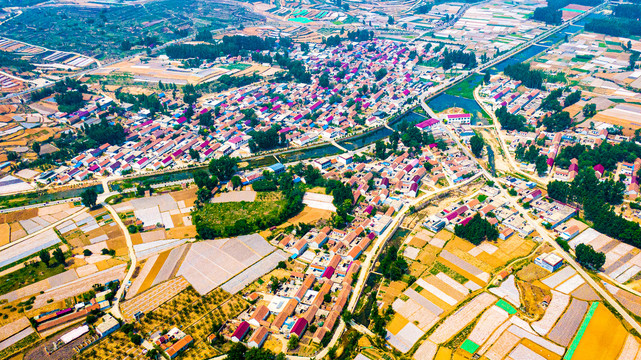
[(439, 103)]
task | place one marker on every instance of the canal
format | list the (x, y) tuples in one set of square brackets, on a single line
[(457, 96)]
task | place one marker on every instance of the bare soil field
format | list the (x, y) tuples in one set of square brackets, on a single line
[(531, 297), (531, 272)]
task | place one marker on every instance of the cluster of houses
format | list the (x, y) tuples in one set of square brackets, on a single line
[(497, 210), (368, 81), (172, 343), (308, 303), (311, 301), (503, 92), (59, 317)]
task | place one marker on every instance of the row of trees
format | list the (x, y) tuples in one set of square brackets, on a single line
[(624, 23), (67, 84), (548, 15), (614, 27), (226, 82), (586, 186), (58, 255), (239, 351), (630, 11), (551, 14), (229, 46), (105, 133), (141, 101), (360, 35)]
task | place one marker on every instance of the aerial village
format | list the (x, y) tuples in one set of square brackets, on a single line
[(375, 222)]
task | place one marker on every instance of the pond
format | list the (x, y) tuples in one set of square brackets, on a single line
[(445, 101)]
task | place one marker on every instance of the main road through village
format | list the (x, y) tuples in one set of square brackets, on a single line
[(372, 255)]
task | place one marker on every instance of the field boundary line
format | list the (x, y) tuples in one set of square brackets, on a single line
[(582, 328)]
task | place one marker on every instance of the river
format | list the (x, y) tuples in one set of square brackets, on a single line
[(439, 103)]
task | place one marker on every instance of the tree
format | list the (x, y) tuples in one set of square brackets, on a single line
[(89, 197), (36, 147), (589, 110), (588, 257), (477, 230), (541, 165), (323, 80), (510, 121), (486, 77), (572, 99), (237, 352), (236, 182), (12, 156), (380, 73), (204, 181), (293, 342), (125, 45), (45, 257), (195, 155), (390, 20), (59, 256), (557, 122), (477, 143), (523, 73), (380, 149), (204, 35), (136, 339), (87, 252), (223, 168), (559, 190)]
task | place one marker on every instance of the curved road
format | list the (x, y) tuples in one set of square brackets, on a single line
[(115, 309)]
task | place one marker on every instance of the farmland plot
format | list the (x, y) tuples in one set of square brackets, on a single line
[(554, 310), (569, 323), (461, 318)]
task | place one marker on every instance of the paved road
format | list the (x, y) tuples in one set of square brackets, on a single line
[(497, 127), (543, 232), (115, 310)]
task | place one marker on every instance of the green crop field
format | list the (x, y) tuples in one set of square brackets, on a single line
[(222, 215), (28, 275)]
